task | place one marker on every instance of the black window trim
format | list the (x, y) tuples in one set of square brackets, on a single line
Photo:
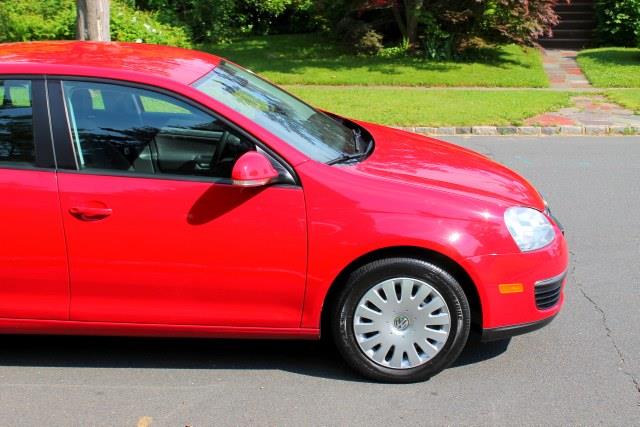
[(41, 123), (65, 148)]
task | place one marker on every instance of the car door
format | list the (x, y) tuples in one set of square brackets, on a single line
[(33, 265), (155, 231)]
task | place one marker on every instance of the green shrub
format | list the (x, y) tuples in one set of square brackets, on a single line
[(394, 52), (437, 44), (206, 20), (369, 43), (618, 22), (301, 16), (258, 16), (358, 37), (443, 29), (214, 21), (131, 25), (24, 20)]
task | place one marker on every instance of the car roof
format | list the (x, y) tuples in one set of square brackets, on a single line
[(100, 58)]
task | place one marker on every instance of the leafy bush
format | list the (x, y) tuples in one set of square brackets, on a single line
[(258, 15), (220, 20), (301, 16), (131, 25), (369, 43), (395, 52), (23, 20), (36, 20), (358, 36), (519, 21), (618, 22), (333, 11), (443, 28), (437, 44), (206, 20), (172, 22)]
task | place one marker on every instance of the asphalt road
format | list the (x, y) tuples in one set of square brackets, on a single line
[(584, 368)]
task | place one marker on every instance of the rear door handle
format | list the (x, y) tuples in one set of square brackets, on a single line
[(90, 214)]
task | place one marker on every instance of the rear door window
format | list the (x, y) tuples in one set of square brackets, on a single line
[(16, 123)]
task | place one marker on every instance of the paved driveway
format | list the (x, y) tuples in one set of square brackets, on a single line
[(584, 368)]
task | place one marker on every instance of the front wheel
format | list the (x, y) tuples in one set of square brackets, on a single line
[(401, 320)]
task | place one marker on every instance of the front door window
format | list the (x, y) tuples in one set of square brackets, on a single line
[(131, 130)]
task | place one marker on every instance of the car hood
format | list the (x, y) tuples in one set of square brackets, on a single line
[(423, 161)]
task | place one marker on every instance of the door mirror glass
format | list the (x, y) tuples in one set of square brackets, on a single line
[(253, 169)]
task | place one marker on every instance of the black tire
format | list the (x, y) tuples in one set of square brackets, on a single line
[(367, 276)]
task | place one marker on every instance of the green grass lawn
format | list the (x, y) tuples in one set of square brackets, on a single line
[(311, 59), (629, 98), (611, 66), (414, 106)]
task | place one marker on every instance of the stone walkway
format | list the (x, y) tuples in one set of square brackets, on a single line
[(588, 110), (563, 70), (591, 114)]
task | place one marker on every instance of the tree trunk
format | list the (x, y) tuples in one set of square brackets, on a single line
[(412, 11), (398, 16), (92, 22), (408, 22)]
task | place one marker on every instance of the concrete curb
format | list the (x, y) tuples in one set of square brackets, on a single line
[(585, 130)]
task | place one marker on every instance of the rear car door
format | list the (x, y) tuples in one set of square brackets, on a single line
[(156, 232), (33, 265)]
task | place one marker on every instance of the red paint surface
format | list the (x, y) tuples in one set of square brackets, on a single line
[(177, 257), (184, 252), (252, 167), (34, 282), (95, 59)]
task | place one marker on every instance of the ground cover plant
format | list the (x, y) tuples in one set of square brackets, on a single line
[(435, 107), (611, 67), (312, 59)]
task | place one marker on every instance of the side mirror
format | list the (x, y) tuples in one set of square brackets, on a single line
[(253, 169)]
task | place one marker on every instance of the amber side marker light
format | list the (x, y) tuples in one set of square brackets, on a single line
[(511, 288)]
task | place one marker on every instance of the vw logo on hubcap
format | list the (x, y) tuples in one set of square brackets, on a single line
[(401, 323)]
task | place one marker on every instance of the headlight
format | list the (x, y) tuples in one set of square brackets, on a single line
[(529, 228)]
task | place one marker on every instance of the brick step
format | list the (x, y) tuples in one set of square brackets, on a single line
[(579, 24), (562, 3), (564, 43), (571, 16), (564, 8), (580, 33)]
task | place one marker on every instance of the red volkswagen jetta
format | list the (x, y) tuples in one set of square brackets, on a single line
[(158, 191)]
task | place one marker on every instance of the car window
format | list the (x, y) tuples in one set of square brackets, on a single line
[(313, 132), (154, 105), (135, 130), (16, 123)]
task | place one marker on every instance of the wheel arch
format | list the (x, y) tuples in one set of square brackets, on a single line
[(428, 255)]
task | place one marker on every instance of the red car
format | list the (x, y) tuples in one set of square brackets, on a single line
[(157, 191)]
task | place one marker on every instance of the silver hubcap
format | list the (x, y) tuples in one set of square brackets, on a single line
[(401, 323)]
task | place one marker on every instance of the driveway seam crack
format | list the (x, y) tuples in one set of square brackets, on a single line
[(621, 360)]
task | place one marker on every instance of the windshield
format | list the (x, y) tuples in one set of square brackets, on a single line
[(314, 133)]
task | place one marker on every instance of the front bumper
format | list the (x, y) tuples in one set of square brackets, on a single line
[(504, 332), (541, 276)]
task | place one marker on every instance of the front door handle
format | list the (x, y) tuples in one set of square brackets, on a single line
[(90, 214)]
